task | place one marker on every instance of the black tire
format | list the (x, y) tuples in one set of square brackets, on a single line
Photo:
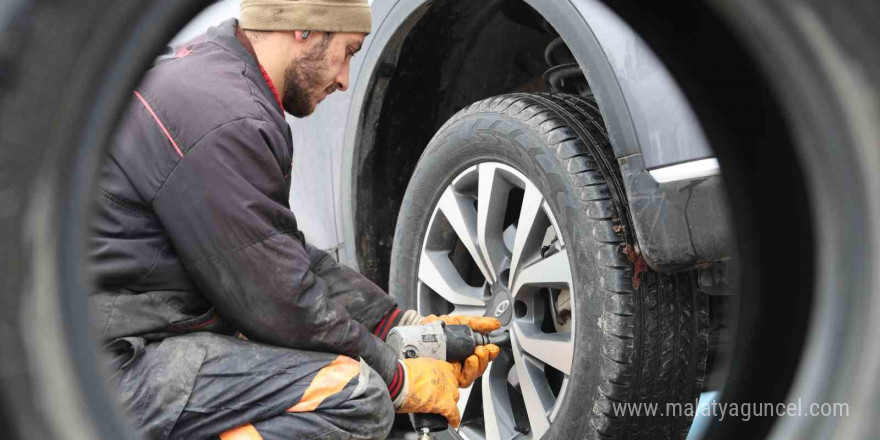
[(84, 57), (651, 345)]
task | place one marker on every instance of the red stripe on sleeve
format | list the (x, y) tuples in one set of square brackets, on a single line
[(161, 125), (396, 383), (389, 317), (380, 324), (387, 325)]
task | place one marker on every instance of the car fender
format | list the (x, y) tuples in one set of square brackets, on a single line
[(649, 122)]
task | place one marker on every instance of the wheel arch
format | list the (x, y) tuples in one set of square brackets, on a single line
[(401, 99)]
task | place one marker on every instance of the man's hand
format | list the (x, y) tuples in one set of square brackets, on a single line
[(475, 365), (431, 387), (476, 323)]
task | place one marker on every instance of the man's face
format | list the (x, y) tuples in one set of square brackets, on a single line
[(319, 72)]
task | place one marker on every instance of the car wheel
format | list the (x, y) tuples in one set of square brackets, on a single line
[(514, 211)]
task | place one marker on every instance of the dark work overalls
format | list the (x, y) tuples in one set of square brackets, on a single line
[(194, 242)]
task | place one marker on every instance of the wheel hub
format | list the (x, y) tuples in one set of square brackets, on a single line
[(485, 254), (500, 305)]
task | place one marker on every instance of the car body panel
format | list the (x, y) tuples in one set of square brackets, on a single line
[(667, 130), (394, 19), (643, 107), (644, 110)]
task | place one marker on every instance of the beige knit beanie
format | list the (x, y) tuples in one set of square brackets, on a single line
[(306, 15)]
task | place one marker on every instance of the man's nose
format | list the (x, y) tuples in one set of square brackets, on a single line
[(342, 80)]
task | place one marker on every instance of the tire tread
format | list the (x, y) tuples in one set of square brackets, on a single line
[(655, 339)]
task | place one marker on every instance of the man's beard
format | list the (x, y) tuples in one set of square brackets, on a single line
[(302, 77)]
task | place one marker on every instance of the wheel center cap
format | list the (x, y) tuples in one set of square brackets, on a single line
[(500, 306)]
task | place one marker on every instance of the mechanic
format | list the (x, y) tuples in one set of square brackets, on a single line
[(219, 318)]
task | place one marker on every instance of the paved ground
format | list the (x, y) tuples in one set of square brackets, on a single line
[(402, 435)]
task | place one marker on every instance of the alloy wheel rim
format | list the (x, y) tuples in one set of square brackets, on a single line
[(494, 248)]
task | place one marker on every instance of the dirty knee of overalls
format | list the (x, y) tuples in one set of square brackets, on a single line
[(370, 406)]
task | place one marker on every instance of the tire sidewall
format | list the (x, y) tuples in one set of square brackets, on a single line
[(496, 137)]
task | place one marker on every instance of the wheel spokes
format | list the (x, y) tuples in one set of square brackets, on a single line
[(492, 195), (530, 229), (498, 419), (438, 273), (537, 396), (491, 425), (552, 271), (467, 310), (475, 210), (462, 216), (554, 349), (464, 395)]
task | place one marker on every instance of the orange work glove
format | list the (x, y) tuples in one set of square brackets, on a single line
[(431, 387), (475, 365), (476, 323)]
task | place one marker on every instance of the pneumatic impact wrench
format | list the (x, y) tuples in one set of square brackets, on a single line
[(451, 343)]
